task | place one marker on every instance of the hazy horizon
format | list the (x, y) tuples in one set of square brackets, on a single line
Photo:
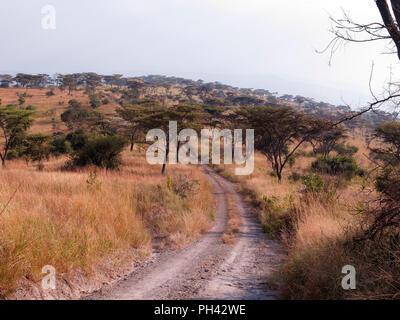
[(237, 42)]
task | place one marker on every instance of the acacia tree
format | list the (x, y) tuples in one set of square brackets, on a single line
[(37, 148), (278, 131), (188, 116), (132, 126), (13, 125), (326, 139), (68, 81)]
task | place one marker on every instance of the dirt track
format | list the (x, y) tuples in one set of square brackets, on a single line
[(207, 269)]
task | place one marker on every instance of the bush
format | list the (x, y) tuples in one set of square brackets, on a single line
[(77, 139), (103, 152), (346, 150), (13, 154), (50, 93), (73, 103), (313, 183), (275, 215), (182, 186), (60, 145), (295, 176), (95, 101), (336, 165)]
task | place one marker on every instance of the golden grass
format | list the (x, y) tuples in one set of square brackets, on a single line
[(49, 109), (234, 222), (76, 220), (318, 231)]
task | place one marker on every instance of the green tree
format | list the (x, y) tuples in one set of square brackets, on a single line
[(187, 116), (326, 139), (37, 148), (133, 122), (278, 131), (13, 125), (102, 151)]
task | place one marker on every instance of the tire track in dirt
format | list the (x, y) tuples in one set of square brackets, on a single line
[(207, 269)]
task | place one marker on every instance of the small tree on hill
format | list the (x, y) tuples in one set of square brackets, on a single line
[(13, 125), (279, 132), (325, 140), (37, 148)]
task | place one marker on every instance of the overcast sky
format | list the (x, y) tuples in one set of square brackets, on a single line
[(248, 43)]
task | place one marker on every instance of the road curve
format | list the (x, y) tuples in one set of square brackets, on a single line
[(207, 269)]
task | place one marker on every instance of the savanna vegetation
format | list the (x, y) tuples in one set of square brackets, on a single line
[(76, 190)]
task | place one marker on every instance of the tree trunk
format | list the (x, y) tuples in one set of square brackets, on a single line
[(177, 153), (166, 158), (388, 20)]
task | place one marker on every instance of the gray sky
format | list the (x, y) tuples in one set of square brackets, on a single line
[(249, 43)]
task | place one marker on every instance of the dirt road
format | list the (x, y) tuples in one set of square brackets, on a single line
[(207, 269)]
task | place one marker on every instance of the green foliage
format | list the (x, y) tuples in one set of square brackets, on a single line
[(77, 139), (60, 145), (103, 152), (275, 215), (345, 150), (21, 100), (291, 161), (13, 125), (169, 182), (50, 93), (73, 103), (37, 148), (182, 186), (95, 100), (280, 139), (77, 118), (338, 165), (295, 176), (313, 183)]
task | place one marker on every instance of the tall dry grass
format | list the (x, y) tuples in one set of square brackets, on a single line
[(77, 220), (321, 232)]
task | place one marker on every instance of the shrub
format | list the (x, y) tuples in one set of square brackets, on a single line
[(295, 176), (335, 165), (95, 101), (37, 149), (103, 152), (346, 150), (182, 186), (73, 103), (77, 139), (13, 154), (60, 145), (21, 100), (50, 93), (275, 215), (313, 183)]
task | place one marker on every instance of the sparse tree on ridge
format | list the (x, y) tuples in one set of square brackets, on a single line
[(13, 125)]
